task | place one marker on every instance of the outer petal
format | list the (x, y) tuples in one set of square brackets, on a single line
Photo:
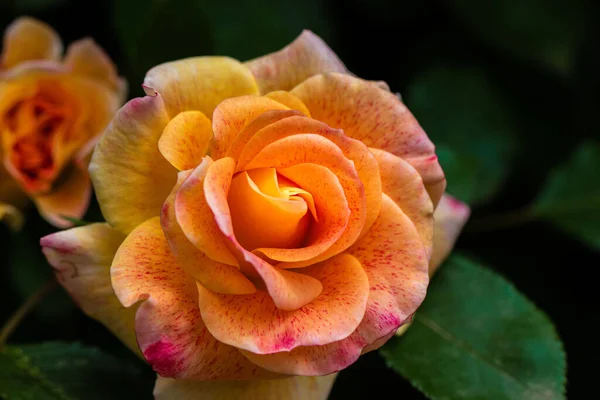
[(289, 290), (306, 56), (11, 216), (170, 332), (28, 39), (233, 115), (85, 57), (200, 83), (131, 178), (395, 261), (294, 388), (403, 184), (450, 217), (253, 322), (81, 258), (377, 118), (71, 198), (185, 139), (215, 276)]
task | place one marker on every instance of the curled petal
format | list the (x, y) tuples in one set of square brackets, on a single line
[(28, 39), (131, 178), (450, 217), (185, 139), (395, 262), (306, 56), (253, 322), (403, 184), (200, 83), (375, 117), (81, 258), (169, 329), (215, 276), (85, 57), (70, 199), (294, 388)]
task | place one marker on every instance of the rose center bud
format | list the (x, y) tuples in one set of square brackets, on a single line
[(268, 210)]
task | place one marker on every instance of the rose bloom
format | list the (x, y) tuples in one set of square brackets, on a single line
[(267, 223), (52, 110)]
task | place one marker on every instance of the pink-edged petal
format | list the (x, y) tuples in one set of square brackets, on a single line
[(186, 139), (375, 117), (200, 83), (306, 56), (233, 115), (69, 199), (213, 275), (169, 329), (253, 322), (293, 388), (28, 39), (395, 262), (289, 290), (450, 217), (81, 258), (131, 178), (403, 184)]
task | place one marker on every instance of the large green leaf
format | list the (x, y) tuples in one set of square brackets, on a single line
[(548, 33), (571, 196), (477, 337), (472, 126), (54, 370)]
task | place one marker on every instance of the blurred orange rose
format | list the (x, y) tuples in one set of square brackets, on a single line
[(265, 220), (52, 110)]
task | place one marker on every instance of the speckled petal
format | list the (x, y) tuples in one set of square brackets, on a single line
[(450, 217), (169, 329), (185, 139), (288, 99)]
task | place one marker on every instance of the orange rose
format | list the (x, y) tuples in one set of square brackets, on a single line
[(51, 112), (265, 220)]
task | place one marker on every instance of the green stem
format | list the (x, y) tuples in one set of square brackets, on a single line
[(19, 315), (502, 221)]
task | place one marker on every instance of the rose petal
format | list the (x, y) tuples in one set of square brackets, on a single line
[(316, 149), (28, 39), (86, 58), (81, 258), (169, 330), (215, 276), (185, 140), (200, 83), (306, 56), (71, 198), (294, 388), (403, 184), (289, 290), (253, 322), (11, 216), (233, 115), (395, 261), (375, 117), (450, 217), (289, 100), (131, 178)]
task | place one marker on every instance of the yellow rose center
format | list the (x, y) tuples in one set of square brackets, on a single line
[(268, 210)]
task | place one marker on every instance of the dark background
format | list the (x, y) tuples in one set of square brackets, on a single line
[(539, 57)]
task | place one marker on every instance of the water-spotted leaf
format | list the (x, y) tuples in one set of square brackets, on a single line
[(571, 196), (477, 337), (472, 126), (67, 371)]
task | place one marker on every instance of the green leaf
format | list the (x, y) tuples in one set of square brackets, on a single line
[(571, 196), (477, 337), (472, 126), (56, 370), (548, 33)]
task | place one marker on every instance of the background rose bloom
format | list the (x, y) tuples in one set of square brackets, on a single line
[(255, 232), (51, 111)]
